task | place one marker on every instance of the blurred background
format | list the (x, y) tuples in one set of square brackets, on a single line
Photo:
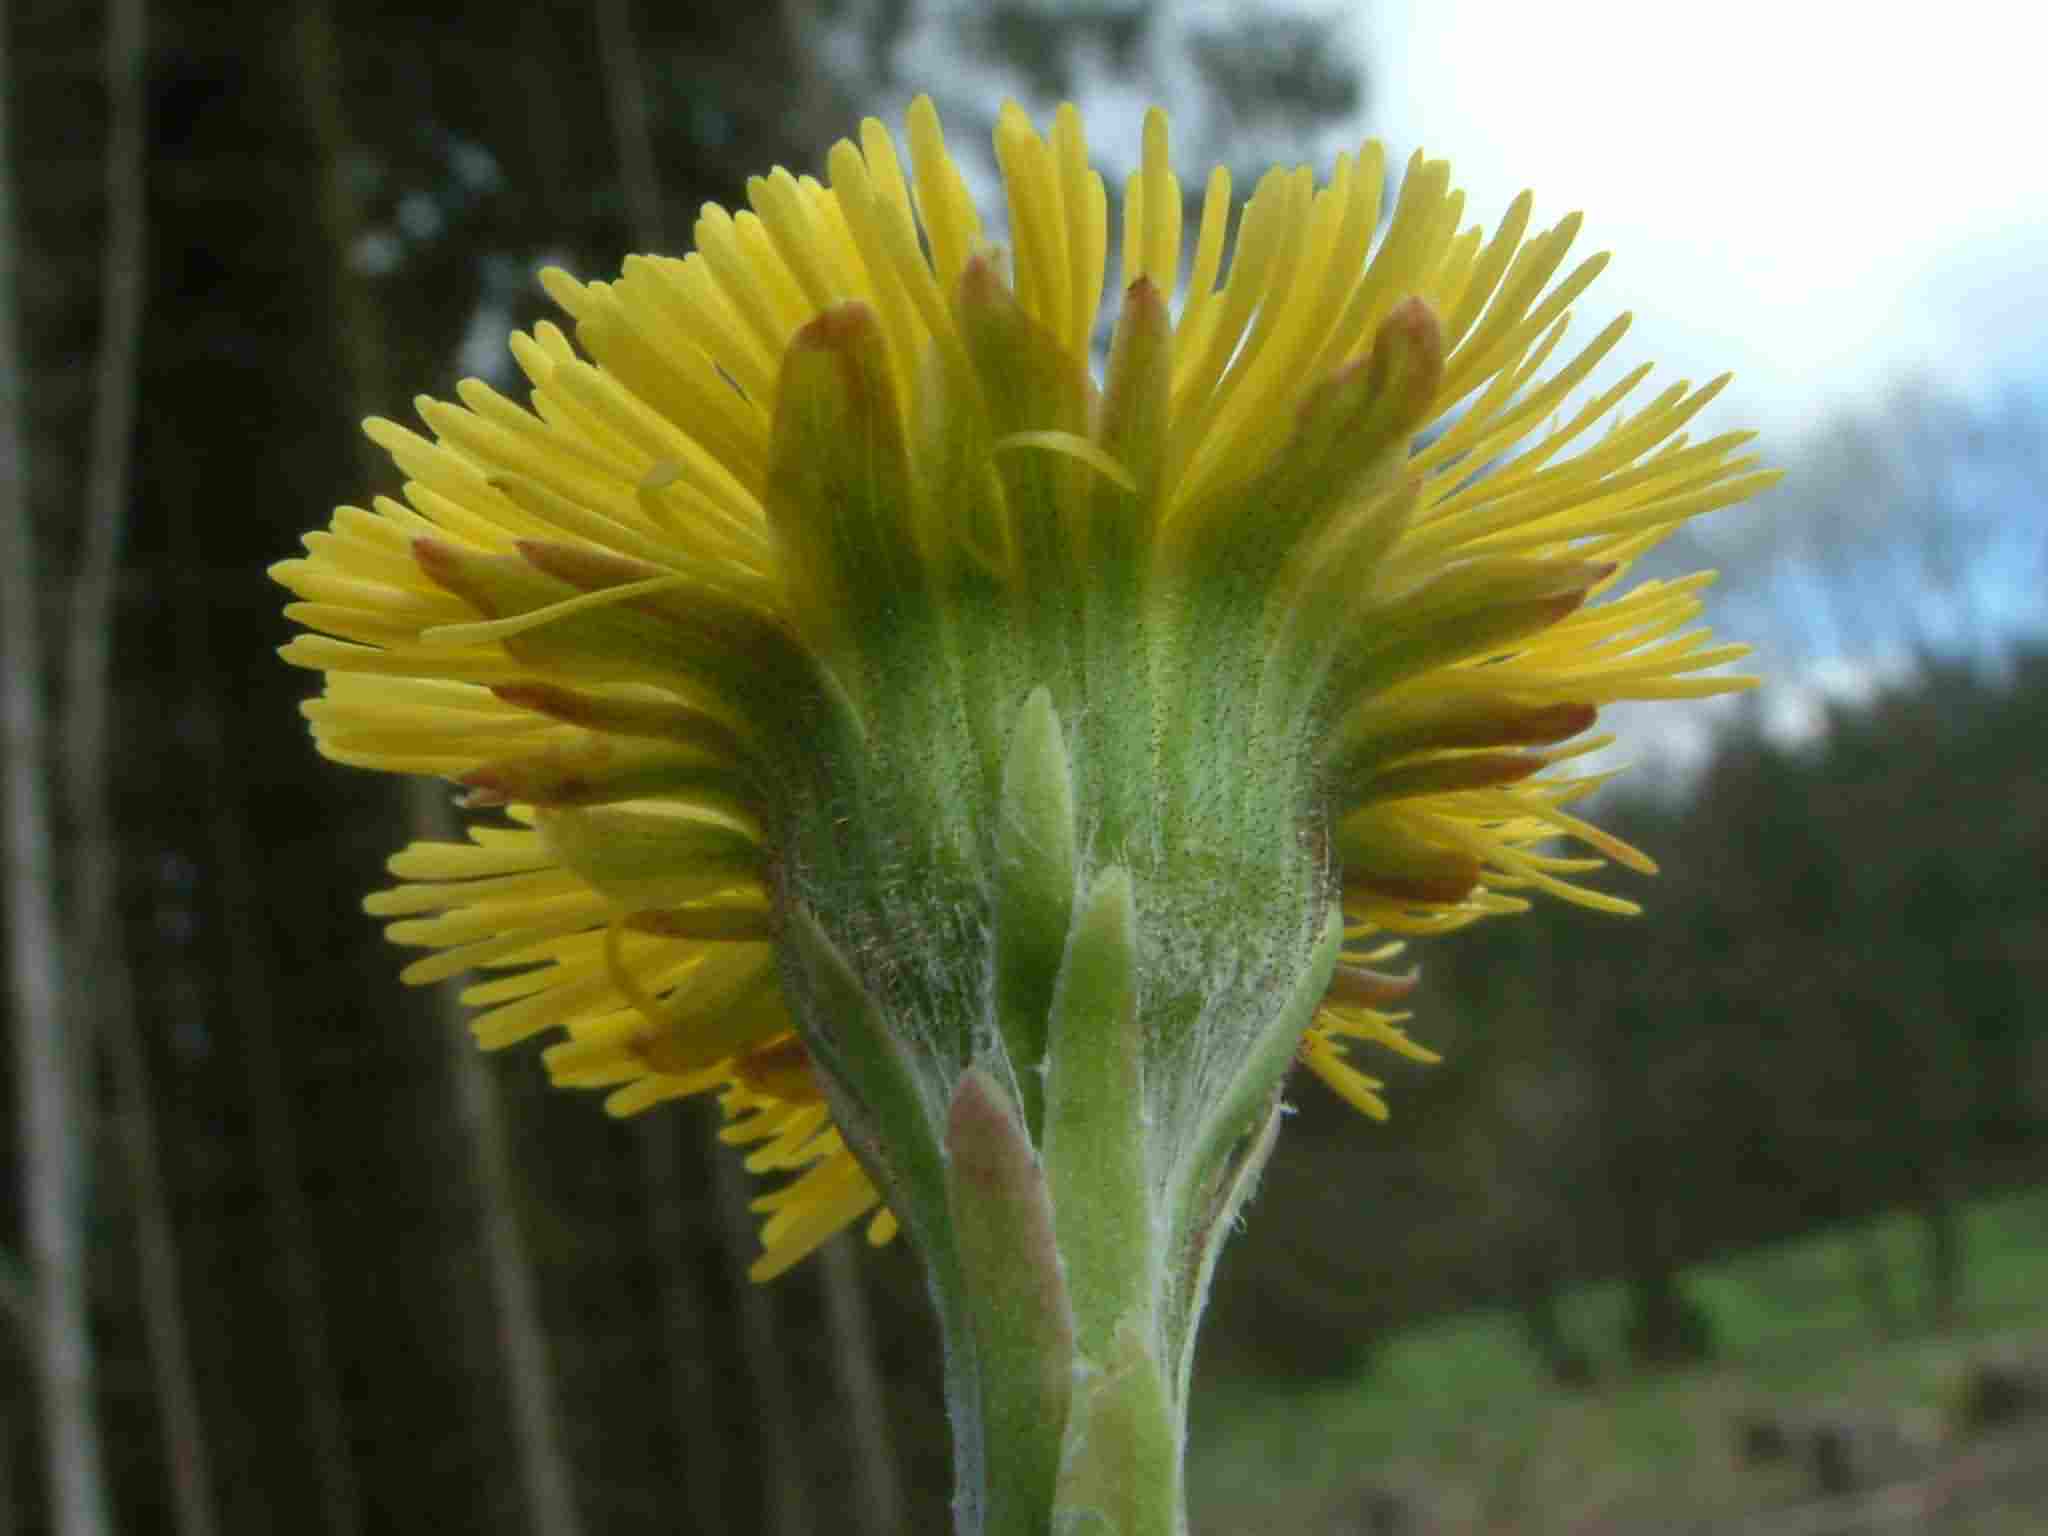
[(1730, 1218)]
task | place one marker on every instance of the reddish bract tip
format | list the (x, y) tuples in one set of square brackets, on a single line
[(781, 1069), (1550, 723), (544, 699), (1447, 885), (1407, 356), (446, 566), (440, 561), (1442, 775), (1415, 320), (1359, 987), (837, 328), (1599, 571), (592, 570), (834, 366), (486, 788), (1506, 725)]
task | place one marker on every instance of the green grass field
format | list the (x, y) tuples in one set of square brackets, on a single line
[(1457, 1414)]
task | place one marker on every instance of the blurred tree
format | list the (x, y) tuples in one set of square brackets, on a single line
[(103, 1013), (50, 1063)]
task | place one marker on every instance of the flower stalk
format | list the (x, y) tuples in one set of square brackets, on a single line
[(1101, 1026)]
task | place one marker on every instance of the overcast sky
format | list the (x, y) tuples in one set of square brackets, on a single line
[(1804, 193)]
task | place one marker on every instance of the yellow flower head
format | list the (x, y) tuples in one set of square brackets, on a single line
[(757, 595)]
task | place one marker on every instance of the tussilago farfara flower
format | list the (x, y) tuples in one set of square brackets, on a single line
[(926, 746)]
